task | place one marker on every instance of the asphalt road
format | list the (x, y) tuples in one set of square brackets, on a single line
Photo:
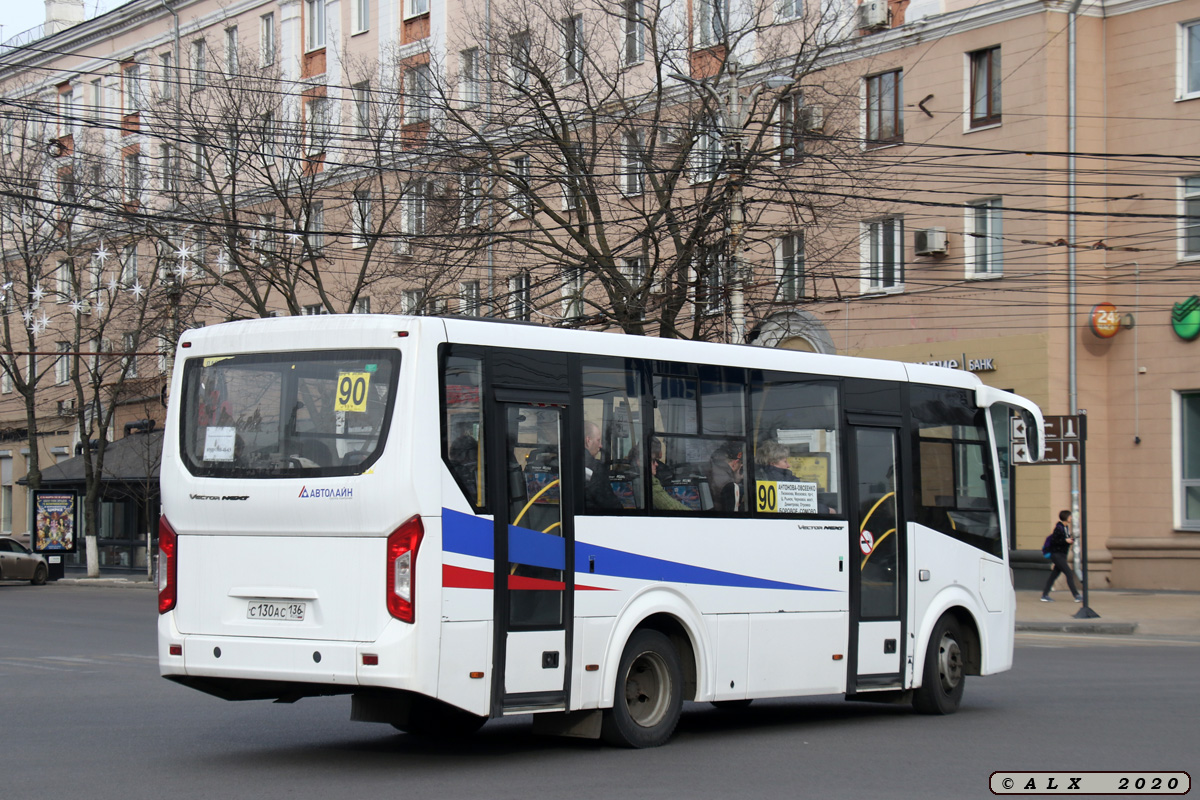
[(83, 714)]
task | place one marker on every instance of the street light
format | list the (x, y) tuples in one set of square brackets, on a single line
[(732, 117)]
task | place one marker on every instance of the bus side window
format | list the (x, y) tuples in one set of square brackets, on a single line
[(954, 489), (612, 391), (462, 426), (796, 461)]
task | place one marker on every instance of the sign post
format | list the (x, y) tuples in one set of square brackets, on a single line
[(1065, 439)]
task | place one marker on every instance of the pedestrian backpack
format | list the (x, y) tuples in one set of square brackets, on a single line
[(1046, 546)]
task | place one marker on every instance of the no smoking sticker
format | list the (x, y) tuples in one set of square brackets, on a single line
[(866, 542)]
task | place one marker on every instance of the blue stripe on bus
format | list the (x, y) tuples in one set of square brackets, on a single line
[(536, 549), (592, 559), (467, 534), (470, 535)]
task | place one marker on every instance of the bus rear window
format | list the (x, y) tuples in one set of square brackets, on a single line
[(283, 415)]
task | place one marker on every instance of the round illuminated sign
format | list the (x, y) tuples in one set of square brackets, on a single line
[(1185, 319), (1105, 321)]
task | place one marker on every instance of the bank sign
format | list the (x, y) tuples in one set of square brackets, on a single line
[(970, 364)]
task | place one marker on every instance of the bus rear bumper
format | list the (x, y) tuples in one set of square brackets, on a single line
[(244, 668)]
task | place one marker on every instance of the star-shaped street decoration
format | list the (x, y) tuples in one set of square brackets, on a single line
[(294, 237), (37, 294), (43, 323), (27, 315), (78, 305), (137, 289), (113, 285), (99, 305), (101, 255), (223, 261), (183, 253)]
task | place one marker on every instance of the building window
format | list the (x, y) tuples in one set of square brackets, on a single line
[(412, 301), (62, 365), (1189, 449), (572, 32), (709, 274), (885, 255), (708, 151), (362, 16), (231, 52), (417, 7), (315, 226), (166, 77), (635, 32), (131, 362), (983, 244), (198, 67), (131, 85), (315, 310), (361, 306), (520, 198), (469, 298), (520, 300), (519, 55), (1191, 213), (471, 198), (360, 221), (795, 119), (572, 293), (710, 22), (6, 494), (789, 9), (132, 174), (361, 95), (266, 39), (885, 107), (418, 87), (633, 177), (634, 271), (468, 76), (314, 25), (789, 260), (416, 207), (129, 265), (170, 168), (985, 87), (1190, 51), (318, 129)]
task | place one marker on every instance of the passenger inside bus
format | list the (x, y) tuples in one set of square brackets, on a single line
[(725, 477), (662, 499)]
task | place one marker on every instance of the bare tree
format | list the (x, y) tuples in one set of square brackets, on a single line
[(632, 170)]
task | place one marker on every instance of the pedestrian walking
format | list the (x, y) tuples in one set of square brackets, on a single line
[(1057, 545)]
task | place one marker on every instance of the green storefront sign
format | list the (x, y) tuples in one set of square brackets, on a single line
[(1185, 318)]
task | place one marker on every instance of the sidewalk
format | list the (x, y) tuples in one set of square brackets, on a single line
[(1122, 611)]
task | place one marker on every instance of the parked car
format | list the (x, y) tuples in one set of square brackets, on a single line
[(19, 563)]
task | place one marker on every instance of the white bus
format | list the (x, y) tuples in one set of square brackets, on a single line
[(452, 520)]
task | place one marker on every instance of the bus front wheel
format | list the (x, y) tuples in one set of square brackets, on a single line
[(943, 678), (649, 693)]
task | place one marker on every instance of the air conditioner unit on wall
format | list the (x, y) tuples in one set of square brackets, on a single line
[(930, 242), (873, 14)]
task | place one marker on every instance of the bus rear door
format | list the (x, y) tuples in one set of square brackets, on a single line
[(534, 551)]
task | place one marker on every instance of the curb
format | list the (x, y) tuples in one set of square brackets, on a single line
[(122, 583), (1122, 628)]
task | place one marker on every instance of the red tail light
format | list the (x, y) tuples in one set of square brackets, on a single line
[(168, 563), (402, 548)]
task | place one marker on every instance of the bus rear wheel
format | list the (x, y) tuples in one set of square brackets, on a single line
[(649, 693), (943, 678)]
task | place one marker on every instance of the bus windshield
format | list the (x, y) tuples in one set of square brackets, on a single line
[(283, 415)]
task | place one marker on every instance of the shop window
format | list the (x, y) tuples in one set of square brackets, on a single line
[(1189, 449)]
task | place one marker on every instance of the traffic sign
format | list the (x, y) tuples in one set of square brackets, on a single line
[(1063, 427)]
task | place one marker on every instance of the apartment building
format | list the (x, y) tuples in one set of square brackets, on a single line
[(891, 180)]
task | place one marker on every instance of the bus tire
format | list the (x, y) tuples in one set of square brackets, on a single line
[(943, 677), (648, 696)]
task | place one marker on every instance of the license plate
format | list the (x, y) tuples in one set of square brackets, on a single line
[(265, 609)]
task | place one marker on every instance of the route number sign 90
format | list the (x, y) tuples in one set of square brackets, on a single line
[(352, 391)]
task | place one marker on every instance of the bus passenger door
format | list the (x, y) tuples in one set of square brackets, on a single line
[(533, 553), (877, 642)]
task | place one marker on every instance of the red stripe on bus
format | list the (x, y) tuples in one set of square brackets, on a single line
[(463, 578)]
